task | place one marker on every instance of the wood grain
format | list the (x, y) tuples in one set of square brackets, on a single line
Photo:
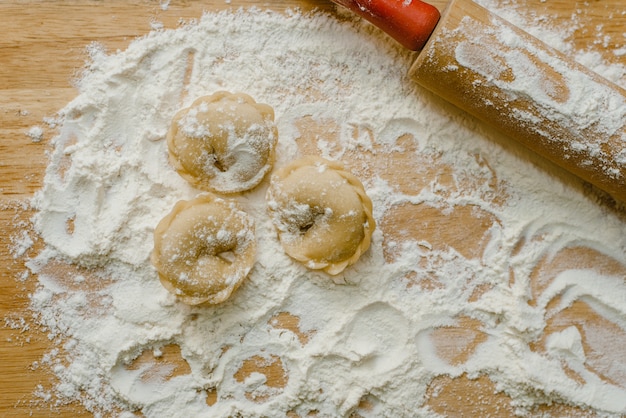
[(43, 46), (488, 98)]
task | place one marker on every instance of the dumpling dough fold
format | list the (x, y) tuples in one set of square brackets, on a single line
[(322, 214), (203, 249), (223, 143)]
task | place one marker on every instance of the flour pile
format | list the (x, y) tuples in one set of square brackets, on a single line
[(366, 338)]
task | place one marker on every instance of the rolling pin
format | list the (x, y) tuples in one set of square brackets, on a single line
[(512, 81)]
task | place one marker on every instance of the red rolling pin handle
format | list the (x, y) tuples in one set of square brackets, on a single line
[(410, 22)]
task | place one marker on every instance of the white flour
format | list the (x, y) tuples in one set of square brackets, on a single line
[(369, 336), (593, 107)]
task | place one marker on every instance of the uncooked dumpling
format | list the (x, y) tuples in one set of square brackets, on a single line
[(223, 143), (322, 214), (203, 249)]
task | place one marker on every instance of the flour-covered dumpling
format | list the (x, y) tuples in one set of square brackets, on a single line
[(203, 249), (223, 143), (322, 214)]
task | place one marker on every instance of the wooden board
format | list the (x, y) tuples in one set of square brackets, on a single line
[(42, 46)]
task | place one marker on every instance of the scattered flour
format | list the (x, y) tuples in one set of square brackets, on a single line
[(370, 337), (35, 133)]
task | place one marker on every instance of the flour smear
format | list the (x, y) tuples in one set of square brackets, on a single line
[(366, 342)]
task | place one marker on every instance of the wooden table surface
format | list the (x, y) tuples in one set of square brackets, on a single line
[(42, 46)]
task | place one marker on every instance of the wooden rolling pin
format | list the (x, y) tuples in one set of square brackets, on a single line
[(512, 81)]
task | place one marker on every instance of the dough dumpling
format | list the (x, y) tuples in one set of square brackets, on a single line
[(322, 214), (223, 143), (203, 249)]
